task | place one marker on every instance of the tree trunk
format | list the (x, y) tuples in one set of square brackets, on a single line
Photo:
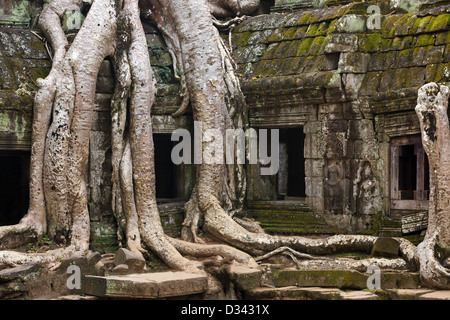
[(60, 149), (432, 104)]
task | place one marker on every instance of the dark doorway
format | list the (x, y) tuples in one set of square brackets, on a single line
[(409, 174), (407, 171), (292, 141), (14, 188), (165, 169)]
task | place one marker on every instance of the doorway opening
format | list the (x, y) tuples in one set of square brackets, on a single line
[(291, 175), (14, 186), (169, 182), (409, 174)]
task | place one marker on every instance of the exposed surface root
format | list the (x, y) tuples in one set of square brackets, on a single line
[(432, 272), (289, 250), (50, 258)]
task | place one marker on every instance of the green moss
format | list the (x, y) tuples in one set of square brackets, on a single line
[(385, 45), (442, 73), (289, 34), (305, 46), (419, 25), (404, 24), (442, 38), (312, 29), (300, 32), (304, 20), (331, 26), (282, 51), (37, 73), (424, 40), (243, 39), (439, 23), (317, 45), (401, 25), (430, 72), (388, 27), (369, 42)]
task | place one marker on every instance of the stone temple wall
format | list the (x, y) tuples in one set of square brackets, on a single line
[(24, 59), (351, 89)]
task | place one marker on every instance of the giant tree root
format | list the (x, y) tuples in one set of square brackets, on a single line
[(216, 101), (431, 109)]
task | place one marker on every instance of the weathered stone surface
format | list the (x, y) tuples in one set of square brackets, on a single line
[(347, 279), (146, 285), (437, 295), (135, 262), (75, 297), (245, 278), (121, 269), (358, 295), (307, 293), (14, 282), (408, 294), (385, 247), (22, 272)]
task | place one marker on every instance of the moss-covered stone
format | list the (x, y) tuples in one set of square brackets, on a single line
[(442, 38), (312, 30), (344, 279), (300, 32), (420, 24), (369, 42), (388, 27), (439, 23), (304, 19), (304, 48), (424, 40), (243, 39)]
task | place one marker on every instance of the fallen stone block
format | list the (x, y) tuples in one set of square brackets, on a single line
[(245, 278), (146, 285), (135, 262), (358, 295), (385, 247), (436, 295), (408, 294), (23, 271)]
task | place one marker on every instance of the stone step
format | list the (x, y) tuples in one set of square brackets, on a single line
[(146, 285), (307, 293), (288, 205), (300, 222), (344, 279)]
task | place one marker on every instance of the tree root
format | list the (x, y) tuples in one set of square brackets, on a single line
[(432, 272), (50, 258), (291, 252)]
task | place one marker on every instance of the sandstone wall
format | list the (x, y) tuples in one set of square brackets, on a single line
[(351, 89)]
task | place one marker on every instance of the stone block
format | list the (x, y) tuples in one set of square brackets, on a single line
[(354, 62), (146, 285), (344, 279), (436, 295), (408, 294), (361, 130), (134, 261), (20, 272), (385, 247), (245, 278), (358, 295), (341, 43), (351, 23)]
